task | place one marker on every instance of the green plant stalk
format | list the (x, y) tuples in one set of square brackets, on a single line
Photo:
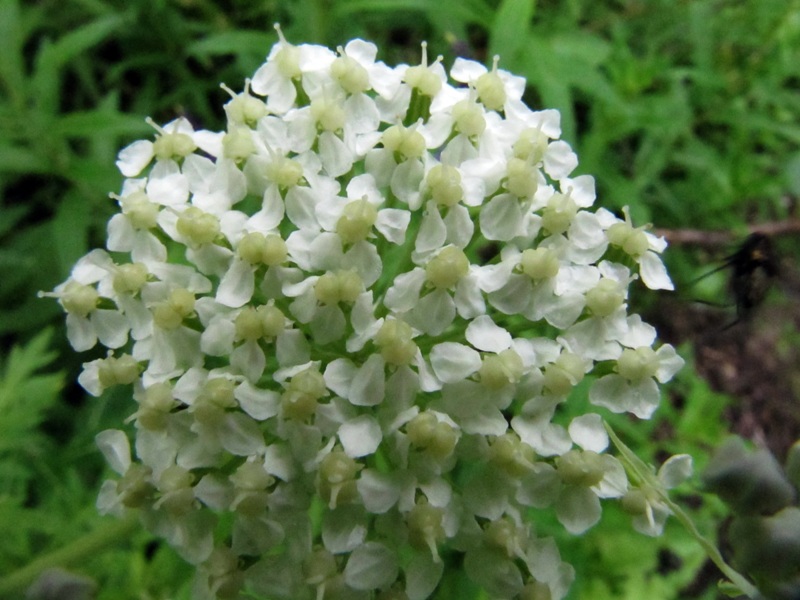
[(646, 474), (76, 551)]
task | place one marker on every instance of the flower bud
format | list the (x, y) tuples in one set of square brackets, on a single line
[(327, 114), (522, 179), (564, 374), (284, 172), (425, 528), (500, 370), (637, 364), (339, 286), (177, 494), (394, 340), (539, 263), (531, 146), (337, 473), (437, 438), (273, 321), (238, 144), (511, 454), (353, 78), (444, 182), (198, 227), (142, 214), (244, 109), (135, 488), (356, 221), (155, 407), (251, 482), (319, 566), (422, 78), (490, 88), (225, 578), (79, 299), (173, 146), (130, 278), (580, 468), (299, 400), (408, 143), (447, 268), (216, 396), (558, 214), (118, 371), (469, 119), (605, 297)]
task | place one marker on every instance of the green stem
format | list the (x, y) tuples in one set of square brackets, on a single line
[(74, 552), (645, 474)]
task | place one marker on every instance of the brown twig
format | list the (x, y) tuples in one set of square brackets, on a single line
[(714, 239)]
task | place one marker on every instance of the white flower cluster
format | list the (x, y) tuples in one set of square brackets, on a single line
[(348, 322)]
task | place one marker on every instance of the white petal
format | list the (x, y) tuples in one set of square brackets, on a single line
[(259, 404), (485, 335), (392, 223), (237, 285), (578, 509), (588, 432), (559, 160), (135, 157), (344, 529), (453, 362), (468, 298), (501, 217), (405, 290), (433, 313), (217, 338), (115, 448), (654, 273), (675, 470), (422, 576), (432, 232), (465, 70), (240, 435), (338, 376), (360, 436), (111, 327), (379, 491), (336, 157), (249, 358), (367, 388), (669, 363), (371, 566)]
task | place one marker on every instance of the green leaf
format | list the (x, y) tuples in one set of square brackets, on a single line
[(511, 28), (233, 42), (15, 158), (24, 395), (90, 122), (12, 69), (53, 56), (70, 230)]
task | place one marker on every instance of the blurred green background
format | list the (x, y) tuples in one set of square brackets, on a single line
[(686, 111)]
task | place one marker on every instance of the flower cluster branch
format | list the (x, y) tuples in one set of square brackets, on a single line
[(334, 395)]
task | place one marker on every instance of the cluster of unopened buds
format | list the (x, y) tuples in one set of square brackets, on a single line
[(349, 322)]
